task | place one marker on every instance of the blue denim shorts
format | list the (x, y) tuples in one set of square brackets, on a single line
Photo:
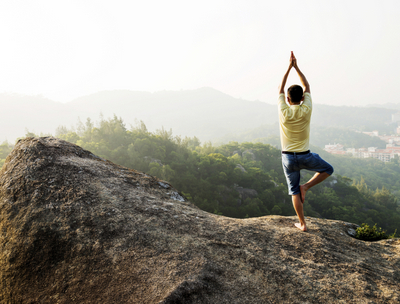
[(292, 164)]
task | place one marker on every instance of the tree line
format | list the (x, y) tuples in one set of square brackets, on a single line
[(240, 179)]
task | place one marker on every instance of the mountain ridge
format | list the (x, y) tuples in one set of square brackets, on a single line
[(206, 113)]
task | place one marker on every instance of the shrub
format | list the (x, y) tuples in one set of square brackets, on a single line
[(371, 234)]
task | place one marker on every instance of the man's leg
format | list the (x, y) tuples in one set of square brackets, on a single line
[(298, 206), (316, 179), (292, 174)]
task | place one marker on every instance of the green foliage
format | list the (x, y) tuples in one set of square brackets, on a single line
[(348, 138), (370, 234), (244, 179), (373, 172), (5, 149), (276, 210), (32, 134)]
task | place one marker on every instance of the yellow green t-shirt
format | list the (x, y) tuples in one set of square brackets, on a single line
[(294, 122)]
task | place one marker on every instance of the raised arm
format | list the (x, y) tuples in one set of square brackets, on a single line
[(291, 65), (282, 87), (303, 78)]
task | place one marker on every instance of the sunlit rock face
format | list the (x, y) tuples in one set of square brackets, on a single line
[(75, 228)]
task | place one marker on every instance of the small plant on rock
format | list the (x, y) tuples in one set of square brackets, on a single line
[(370, 234)]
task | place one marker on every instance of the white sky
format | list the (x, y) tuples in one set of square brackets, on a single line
[(349, 50)]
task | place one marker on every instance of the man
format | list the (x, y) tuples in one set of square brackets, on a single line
[(294, 121)]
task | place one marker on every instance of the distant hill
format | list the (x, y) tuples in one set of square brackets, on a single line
[(206, 113), (360, 118), (34, 112), (389, 105)]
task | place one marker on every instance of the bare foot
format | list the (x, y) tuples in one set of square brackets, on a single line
[(302, 193), (301, 227)]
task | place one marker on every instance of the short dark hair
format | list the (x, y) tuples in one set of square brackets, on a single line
[(295, 93)]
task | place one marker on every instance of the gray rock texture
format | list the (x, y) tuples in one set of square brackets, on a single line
[(245, 193), (75, 228)]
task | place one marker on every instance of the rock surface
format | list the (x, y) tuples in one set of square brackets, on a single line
[(75, 228), (245, 193)]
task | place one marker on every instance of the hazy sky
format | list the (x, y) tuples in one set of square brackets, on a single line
[(349, 50)]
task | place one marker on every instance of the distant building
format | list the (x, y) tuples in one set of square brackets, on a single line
[(392, 147), (390, 139), (358, 153), (335, 149), (384, 155), (373, 133)]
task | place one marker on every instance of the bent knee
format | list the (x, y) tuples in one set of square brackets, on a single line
[(330, 170)]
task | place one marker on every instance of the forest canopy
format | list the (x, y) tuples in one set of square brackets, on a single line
[(241, 179)]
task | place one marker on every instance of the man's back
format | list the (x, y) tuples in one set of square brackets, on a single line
[(294, 122)]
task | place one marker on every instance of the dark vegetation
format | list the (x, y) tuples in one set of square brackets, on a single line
[(370, 234), (243, 179), (370, 174), (5, 149)]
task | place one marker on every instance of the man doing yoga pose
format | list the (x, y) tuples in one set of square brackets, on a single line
[(294, 122)]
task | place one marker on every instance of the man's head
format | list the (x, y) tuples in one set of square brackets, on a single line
[(295, 94)]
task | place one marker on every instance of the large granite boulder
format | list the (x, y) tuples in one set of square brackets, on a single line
[(75, 228)]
